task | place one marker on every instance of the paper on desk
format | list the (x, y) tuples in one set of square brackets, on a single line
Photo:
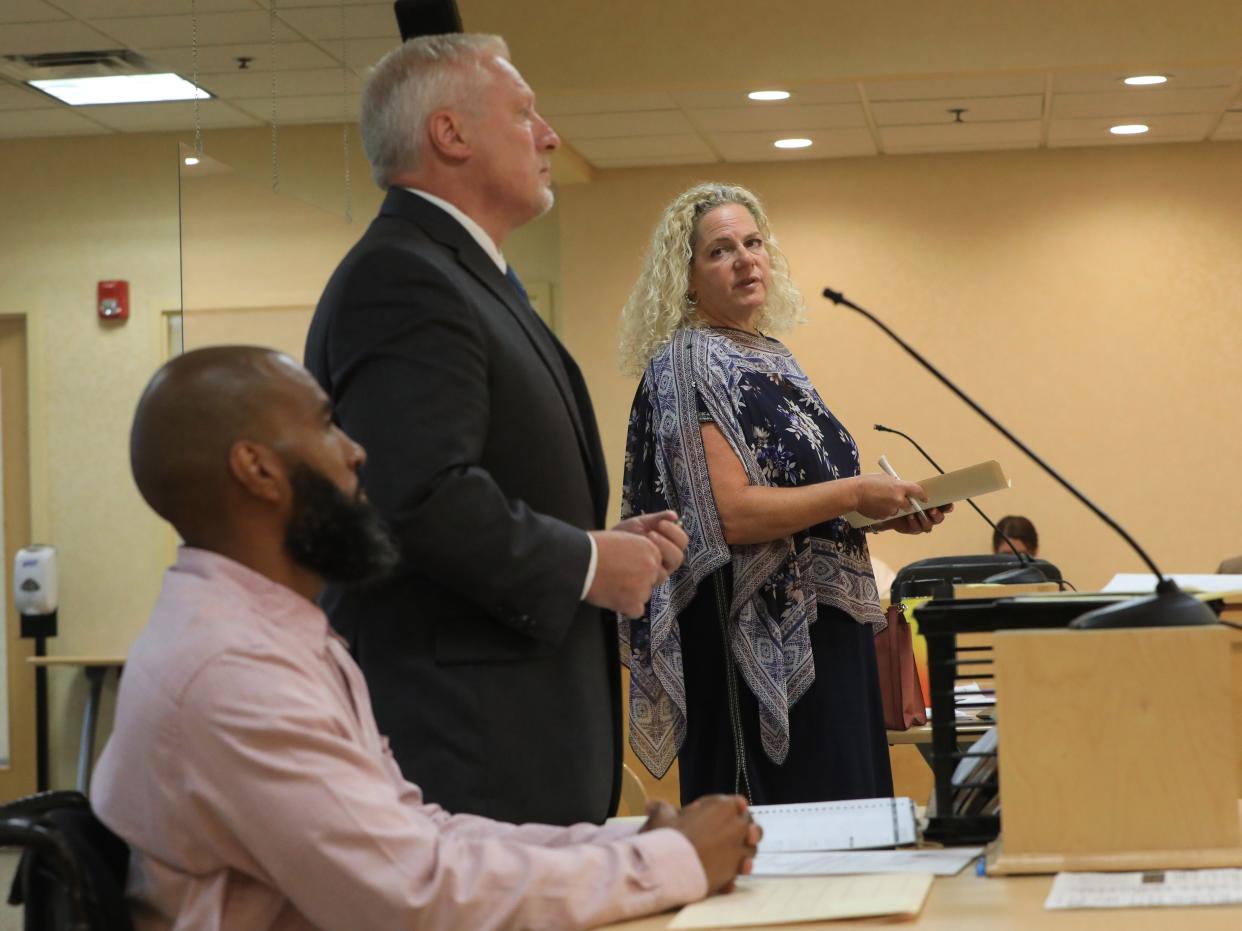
[(946, 862), (1146, 890), (1143, 583), (972, 694), (771, 901)]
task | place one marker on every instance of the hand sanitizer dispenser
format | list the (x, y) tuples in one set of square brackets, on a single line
[(34, 590)]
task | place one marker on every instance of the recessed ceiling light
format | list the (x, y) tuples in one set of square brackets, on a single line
[(120, 88), (768, 95), (1129, 129), (1138, 80), (191, 160), (792, 143)]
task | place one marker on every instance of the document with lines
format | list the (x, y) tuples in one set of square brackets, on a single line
[(849, 825)]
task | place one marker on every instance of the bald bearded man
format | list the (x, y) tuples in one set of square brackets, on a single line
[(246, 771)]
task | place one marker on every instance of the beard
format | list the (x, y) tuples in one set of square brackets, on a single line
[(341, 538)]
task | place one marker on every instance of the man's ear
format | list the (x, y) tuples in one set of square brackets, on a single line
[(446, 134), (259, 470)]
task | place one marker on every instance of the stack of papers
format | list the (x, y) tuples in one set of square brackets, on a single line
[(813, 865)]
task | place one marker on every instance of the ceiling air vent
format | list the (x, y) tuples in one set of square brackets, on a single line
[(89, 64)]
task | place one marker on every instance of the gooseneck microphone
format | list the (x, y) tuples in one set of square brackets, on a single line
[(1023, 558), (1168, 607)]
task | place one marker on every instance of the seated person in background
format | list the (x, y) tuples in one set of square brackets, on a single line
[(245, 770), (1020, 531), (1230, 566)]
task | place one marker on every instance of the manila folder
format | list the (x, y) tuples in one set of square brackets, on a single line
[(786, 900), (970, 482)]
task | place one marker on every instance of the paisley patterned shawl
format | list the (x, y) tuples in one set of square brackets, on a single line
[(777, 585)]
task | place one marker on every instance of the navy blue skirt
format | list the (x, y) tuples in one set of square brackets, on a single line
[(838, 747)]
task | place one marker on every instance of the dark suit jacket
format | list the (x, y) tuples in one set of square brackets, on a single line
[(497, 686)]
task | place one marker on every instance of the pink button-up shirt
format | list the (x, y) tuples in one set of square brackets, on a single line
[(248, 777)]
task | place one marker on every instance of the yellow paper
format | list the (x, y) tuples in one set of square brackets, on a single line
[(773, 901)]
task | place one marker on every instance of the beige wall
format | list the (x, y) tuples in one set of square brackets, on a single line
[(1090, 296), (77, 211)]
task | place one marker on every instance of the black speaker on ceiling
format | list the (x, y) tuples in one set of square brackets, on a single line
[(426, 17)]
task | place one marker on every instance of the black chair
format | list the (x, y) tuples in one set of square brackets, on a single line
[(72, 874)]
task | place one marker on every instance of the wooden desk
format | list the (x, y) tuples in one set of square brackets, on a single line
[(967, 902), (96, 669)]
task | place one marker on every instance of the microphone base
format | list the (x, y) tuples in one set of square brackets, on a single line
[(1163, 609)]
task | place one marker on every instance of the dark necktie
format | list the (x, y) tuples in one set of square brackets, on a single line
[(517, 284)]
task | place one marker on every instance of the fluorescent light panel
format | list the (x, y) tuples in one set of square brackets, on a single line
[(792, 143), (1129, 129), (769, 95), (120, 88), (1140, 80)]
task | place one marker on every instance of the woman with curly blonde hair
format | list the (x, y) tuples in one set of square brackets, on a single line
[(754, 664)]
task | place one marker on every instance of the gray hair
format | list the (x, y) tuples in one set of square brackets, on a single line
[(409, 84)]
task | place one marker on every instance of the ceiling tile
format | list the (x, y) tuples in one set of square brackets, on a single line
[(651, 162), (143, 32), (757, 117), (976, 110), (29, 11), (290, 56), (325, 108), (1003, 85), (305, 83), (678, 145), (609, 125), (1138, 102), (155, 117), (1173, 128), (299, 4), (361, 22), (1230, 127), (570, 104), (828, 143), (33, 38), (363, 53), (1111, 81), (816, 93), (961, 136), (13, 97), (62, 122), (91, 9)]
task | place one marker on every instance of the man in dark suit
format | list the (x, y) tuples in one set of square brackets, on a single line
[(491, 666)]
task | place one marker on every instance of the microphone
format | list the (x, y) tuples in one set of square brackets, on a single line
[(1027, 570), (1169, 606)]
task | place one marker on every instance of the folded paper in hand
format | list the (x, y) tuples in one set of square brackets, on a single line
[(970, 482)]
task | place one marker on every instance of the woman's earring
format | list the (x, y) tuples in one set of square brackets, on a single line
[(692, 299)]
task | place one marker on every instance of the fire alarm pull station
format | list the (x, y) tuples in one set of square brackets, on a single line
[(113, 300)]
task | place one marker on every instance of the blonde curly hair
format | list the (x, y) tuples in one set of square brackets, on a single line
[(659, 305)]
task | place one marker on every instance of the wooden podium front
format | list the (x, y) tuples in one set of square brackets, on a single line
[(1118, 750)]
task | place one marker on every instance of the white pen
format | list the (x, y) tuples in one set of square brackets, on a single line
[(892, 473)]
